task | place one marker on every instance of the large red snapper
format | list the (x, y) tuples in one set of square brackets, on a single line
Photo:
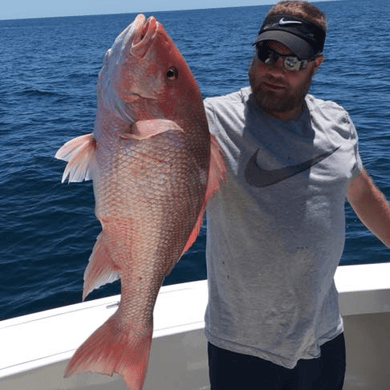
[(154, 166)]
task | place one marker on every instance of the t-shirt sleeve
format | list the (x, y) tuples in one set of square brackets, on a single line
[(358, 167), (210, 115)]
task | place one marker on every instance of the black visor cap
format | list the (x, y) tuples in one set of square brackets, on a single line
[(304, 39)]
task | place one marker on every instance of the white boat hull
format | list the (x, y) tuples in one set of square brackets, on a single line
[(34, 349)]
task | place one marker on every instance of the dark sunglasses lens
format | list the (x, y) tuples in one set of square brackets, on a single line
[(263, 53), (269, 57)]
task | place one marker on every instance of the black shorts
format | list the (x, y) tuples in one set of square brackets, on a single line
[(233, 371)]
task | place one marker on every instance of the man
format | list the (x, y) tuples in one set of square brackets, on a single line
[(276, 229)]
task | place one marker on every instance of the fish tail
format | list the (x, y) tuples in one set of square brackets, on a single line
[(114, 349), (79, 152), (101, 269)]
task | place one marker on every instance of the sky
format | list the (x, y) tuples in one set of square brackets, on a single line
[(21, 9)]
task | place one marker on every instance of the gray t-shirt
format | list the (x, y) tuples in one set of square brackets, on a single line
[(276, 230)]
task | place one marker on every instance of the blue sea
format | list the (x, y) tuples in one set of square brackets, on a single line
[(48, 73)]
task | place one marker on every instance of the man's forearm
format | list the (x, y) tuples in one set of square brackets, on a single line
[(371, 206)]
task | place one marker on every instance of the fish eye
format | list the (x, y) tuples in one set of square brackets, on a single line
[(172, 73)]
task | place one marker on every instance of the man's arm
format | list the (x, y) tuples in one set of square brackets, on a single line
[(370, 205)]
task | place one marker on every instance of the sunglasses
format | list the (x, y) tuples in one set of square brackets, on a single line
[(290, 62)]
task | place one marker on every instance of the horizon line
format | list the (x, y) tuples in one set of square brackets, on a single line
[(143, 12)]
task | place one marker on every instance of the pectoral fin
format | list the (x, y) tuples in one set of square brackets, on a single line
[(149, 128)]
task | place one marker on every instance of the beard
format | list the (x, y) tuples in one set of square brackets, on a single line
[(278, 101)]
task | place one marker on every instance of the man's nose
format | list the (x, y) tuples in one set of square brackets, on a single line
[(277, 65)]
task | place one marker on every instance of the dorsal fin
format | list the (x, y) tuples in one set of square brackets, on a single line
[(216, 176)]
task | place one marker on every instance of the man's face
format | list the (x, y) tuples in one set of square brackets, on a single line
[(278, 91)]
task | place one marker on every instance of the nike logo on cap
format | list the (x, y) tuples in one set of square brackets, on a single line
[(283, 22), (260, 178)]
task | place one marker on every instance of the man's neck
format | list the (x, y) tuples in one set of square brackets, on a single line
[(286, 116)]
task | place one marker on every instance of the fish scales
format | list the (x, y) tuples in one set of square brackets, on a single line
[(154, 166)]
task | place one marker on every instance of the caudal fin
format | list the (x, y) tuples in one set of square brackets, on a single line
[(112, 349)]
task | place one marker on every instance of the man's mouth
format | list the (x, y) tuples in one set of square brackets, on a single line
[(274, 87)]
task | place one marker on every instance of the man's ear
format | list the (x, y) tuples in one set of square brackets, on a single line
[(318, 61)]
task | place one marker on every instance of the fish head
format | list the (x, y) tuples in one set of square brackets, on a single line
[(144, 75)]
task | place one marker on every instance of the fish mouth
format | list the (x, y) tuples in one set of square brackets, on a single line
[(143, 34)]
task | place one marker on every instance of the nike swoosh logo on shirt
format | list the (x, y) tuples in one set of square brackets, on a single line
[(260, 178)]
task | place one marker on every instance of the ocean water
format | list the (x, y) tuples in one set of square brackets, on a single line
[(48, 71)]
